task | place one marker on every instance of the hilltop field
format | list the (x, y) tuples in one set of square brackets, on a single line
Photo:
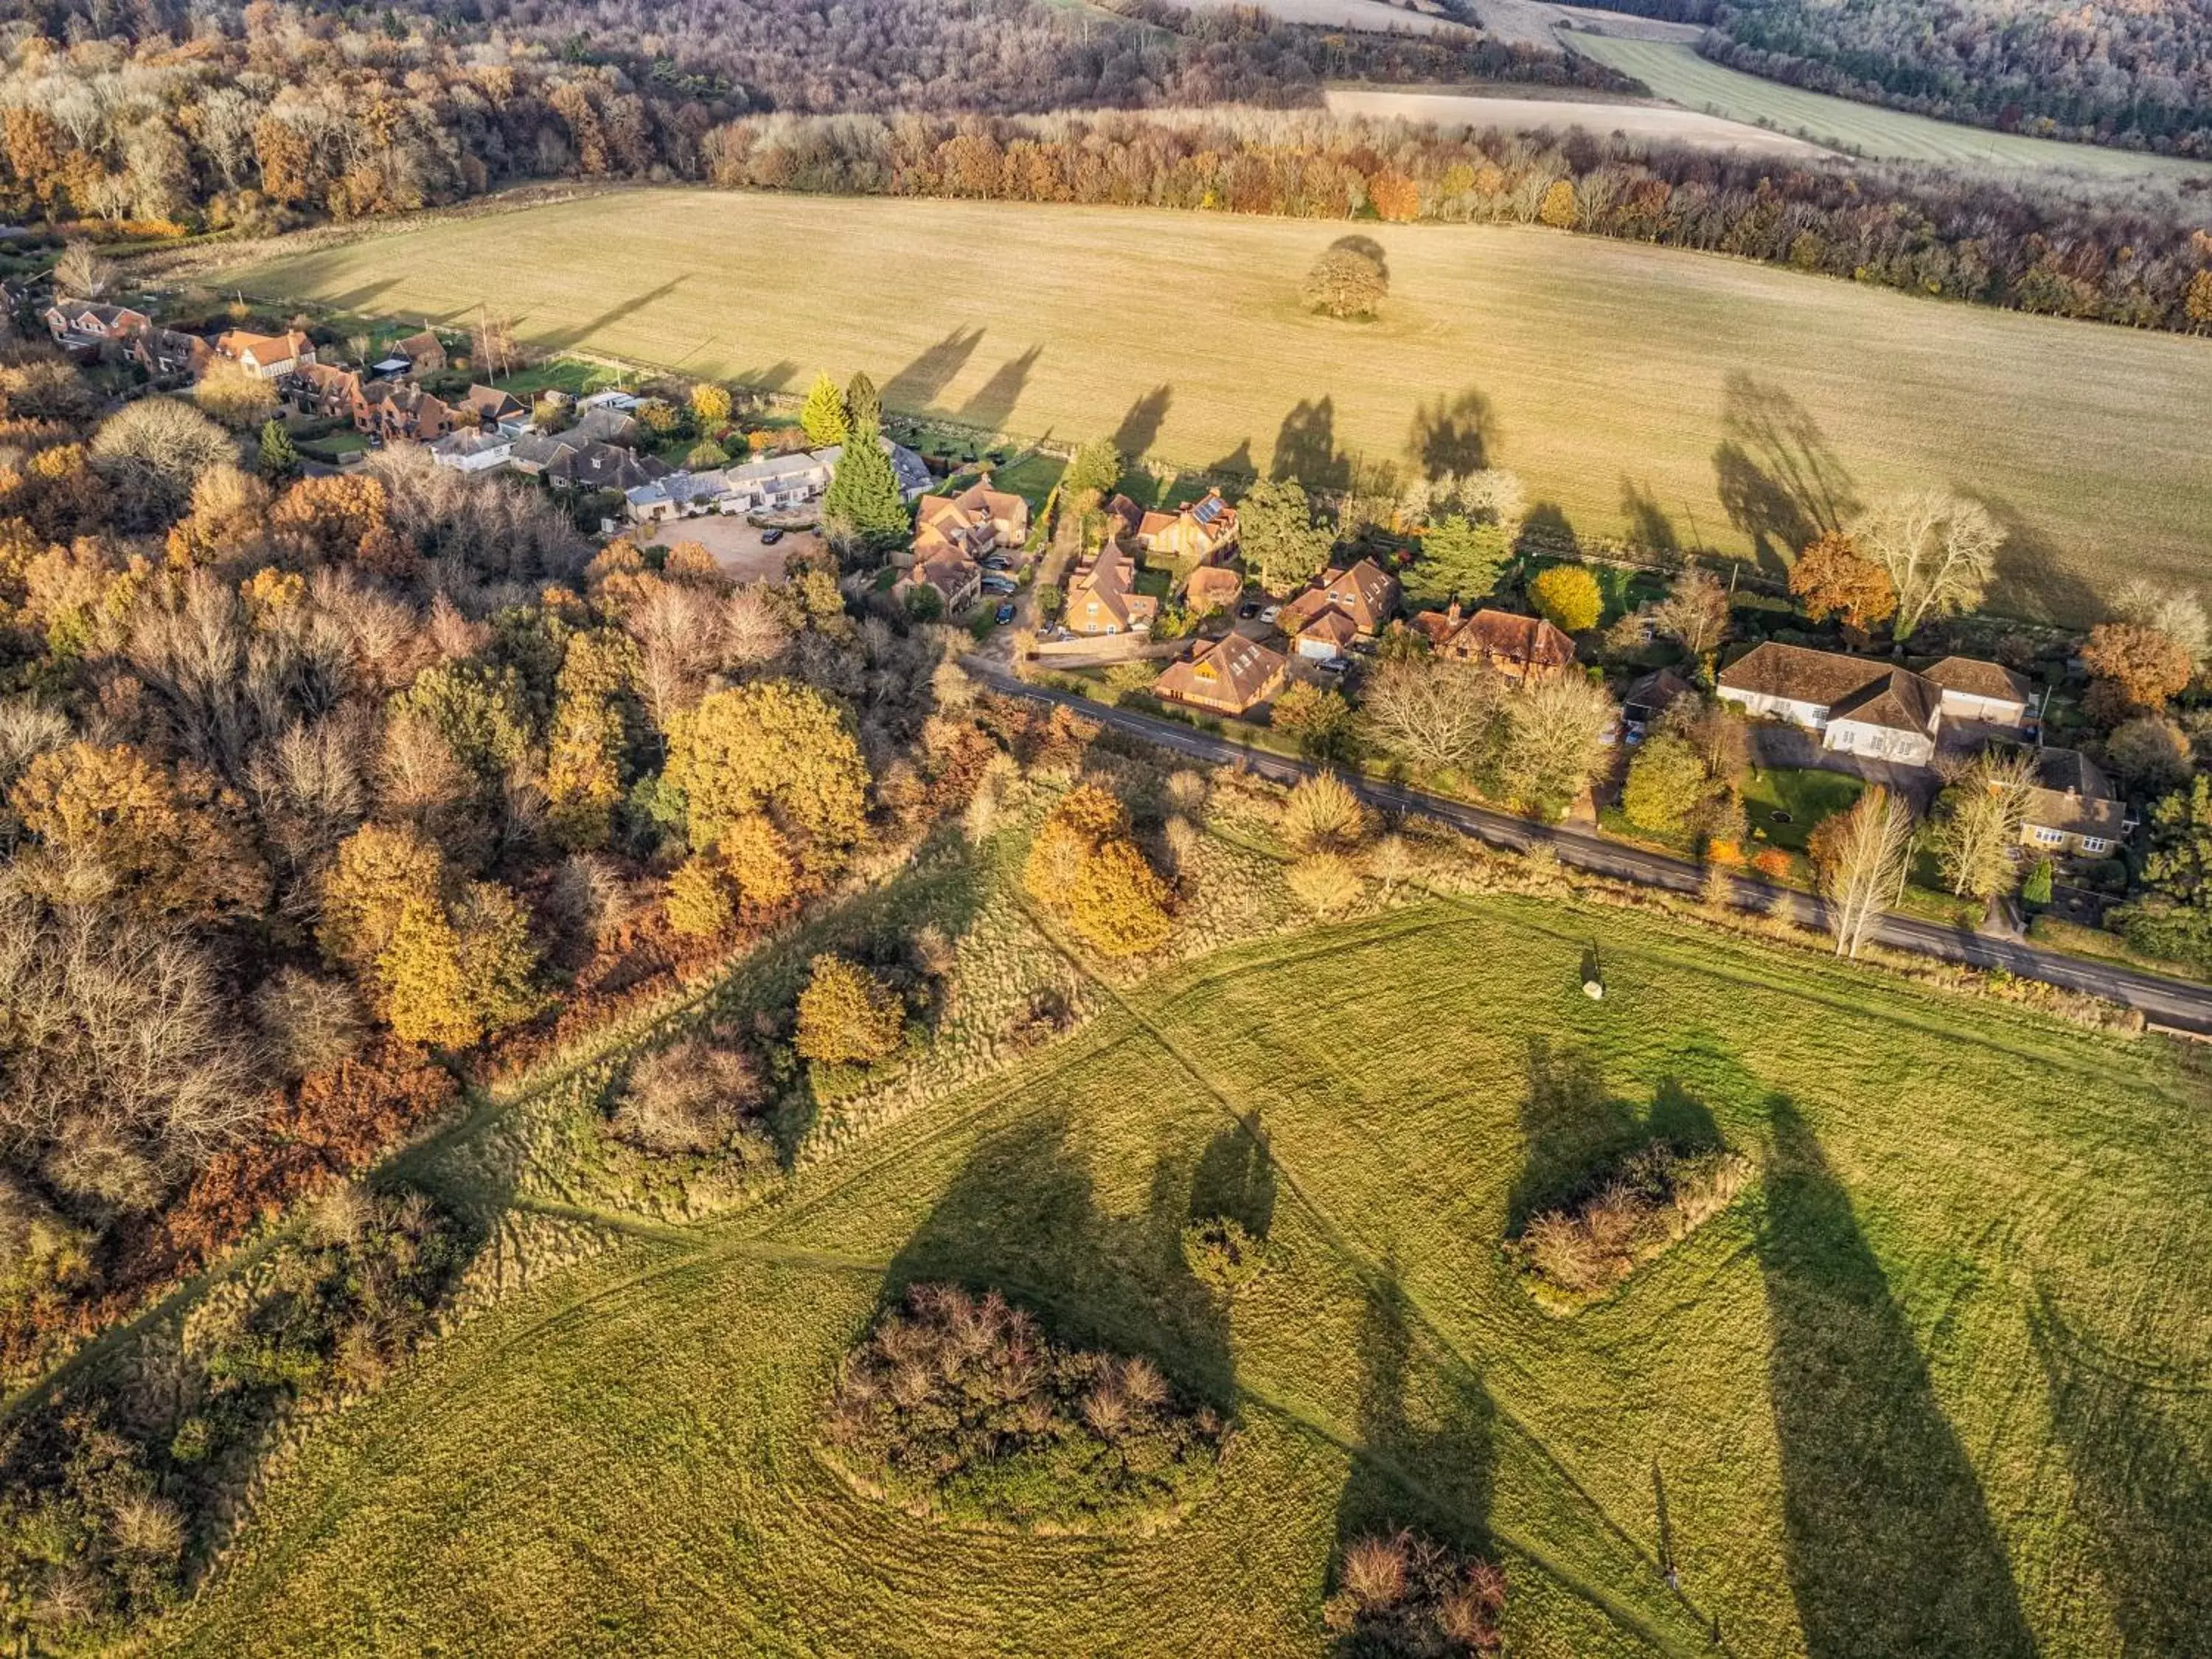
[(1679, 397), (1934, 1382)]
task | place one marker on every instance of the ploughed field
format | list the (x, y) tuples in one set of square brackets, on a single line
[(1665, 394), (1936, 1382)]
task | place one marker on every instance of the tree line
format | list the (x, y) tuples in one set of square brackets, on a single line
[(2024, 245)]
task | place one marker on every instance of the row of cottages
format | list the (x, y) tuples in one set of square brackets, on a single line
[(1527, 648), (1354, 603), (774, 483), (87, 328), (1879, 710)]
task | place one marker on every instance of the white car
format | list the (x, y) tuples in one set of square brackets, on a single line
[(1270, 612)]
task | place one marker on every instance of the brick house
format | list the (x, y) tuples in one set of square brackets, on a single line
[(1519, 647), (1232, 675)]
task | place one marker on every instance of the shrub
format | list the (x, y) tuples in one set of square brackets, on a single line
[(1084, 867), (1325, 883), (1404, 1594), (957, 1406), (309, 1024), (846, 1015), (1657, 1196), (1221, 1254), (702, 900), (1323, 815), (694, 1099)]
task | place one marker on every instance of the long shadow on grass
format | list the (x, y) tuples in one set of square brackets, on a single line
[(2140, 1451), (1022, 1216), (1427, 1430), (1890, 1545), (1573, 1131)]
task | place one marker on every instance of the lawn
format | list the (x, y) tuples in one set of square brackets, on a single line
[(1677, 395), (1935, 1385), (1806, 794), (1675, 72)]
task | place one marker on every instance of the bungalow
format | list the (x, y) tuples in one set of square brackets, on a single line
[(1103, 598), (1232, 675), (1363, 596), (272, 356), (777, 483), (1213, 587), (1519, 647), (1651, 695), (473, 449), (2073, 812), (1976, 691), (166, 351), (1859, 707), (1203, 532), (978, 521), (424, 351), (681, 494), (83, 324), (603, 466)]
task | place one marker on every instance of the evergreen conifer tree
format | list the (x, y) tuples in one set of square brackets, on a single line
[(280, 459), (822, 418), (864, 509)]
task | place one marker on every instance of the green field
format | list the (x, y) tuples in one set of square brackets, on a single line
[(1675, 72), (1938, 1384), (1670, 394)]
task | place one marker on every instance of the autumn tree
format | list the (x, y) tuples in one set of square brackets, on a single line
[(774, 747), (1084, 868), (152, 451), (588, 745), (710, 405), (1861, 855), (1096, 466), (1438, 714), (846, 1015), (1554, 742), (1567, 596), (823, 416), (1832, 578), (1347, 282), (1938, 549), (2150, 754), (702, 900), (1695, 612), (82, 274), (1666, 782), (1976, 833), (235, 395), (2136, 668), (1276, 533), (1557, 209)]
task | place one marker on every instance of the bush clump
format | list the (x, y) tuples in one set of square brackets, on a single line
[(697, 1099), (1406, 1595), (1221, 1256), (1658, 1196), (957, 1406)]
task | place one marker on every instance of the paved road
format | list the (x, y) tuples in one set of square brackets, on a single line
[(2163, 1001)]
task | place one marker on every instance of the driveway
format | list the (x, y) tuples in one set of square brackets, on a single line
[(736, 544)]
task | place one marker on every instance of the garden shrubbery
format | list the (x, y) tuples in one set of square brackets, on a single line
[(1405, 1597), (1658, 1195), (958, 1406)]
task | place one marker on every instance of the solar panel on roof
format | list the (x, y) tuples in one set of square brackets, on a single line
[(1208, 510)]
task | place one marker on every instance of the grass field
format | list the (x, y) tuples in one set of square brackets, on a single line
[(1677, 395), (1675, 72), (1661, 122), (1937, 1386)]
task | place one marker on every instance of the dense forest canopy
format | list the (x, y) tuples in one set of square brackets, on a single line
[(2130, 72)]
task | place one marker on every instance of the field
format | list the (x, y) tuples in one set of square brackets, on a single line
[(1936, 1385), (1679, 397), (1675, 72), (1659, 122)]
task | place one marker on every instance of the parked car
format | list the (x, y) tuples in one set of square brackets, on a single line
[(770, 537), (1246, 612), (1005, 613), (1335, 668), (1270, 613), (998, 584), (998, 562)]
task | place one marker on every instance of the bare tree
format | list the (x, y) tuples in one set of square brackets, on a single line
[(1441, 716), (1695, 612), (1940, 551), (2179, 615), (1861, 855), (491, 342), (82, 274), (1975, 835)]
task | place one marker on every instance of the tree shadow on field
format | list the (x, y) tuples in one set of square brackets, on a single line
[(1890, 1545), (771, 377), (1367, 247), (1237, 463), (1140, 427), (1454, 435), (1235, 1177), (1648, 526), (1545, 528), (576, 334), (1426, 1429), (1021, 1217), (1574, 1130), (916, 386), (994, 401), (1778, 479), (2031, 578), (2138, 1439), (1305, 448)]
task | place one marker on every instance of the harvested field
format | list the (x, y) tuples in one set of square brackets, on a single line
[(1661, 123)]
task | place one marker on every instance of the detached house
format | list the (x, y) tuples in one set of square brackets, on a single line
[(2074, 812), (1232, 675), (327, 390), (88, 325), (397, 411), (424, 352), (1341, 606), (490, 407), (1519, 647), (1859, 707), (271, 356), (1103, 598), (1204, 531), (1213, 587), (162, 352), (978, 521), (957, 579)]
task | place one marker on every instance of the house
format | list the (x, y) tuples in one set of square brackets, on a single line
[(2073, 812), (1651, 695), (681, 494), (473, 449), (1213, 587), (603, 466), (424, 352), (271, 356), (604, 425), (493, 408), (162, 352), (1860, 707), (1976, 691), (399, 411), (1203, 532), (1103, 598), (978, 521), (958, 580), (1232, 676), (1519, 647), (327, 390), (89, 325), (912, 471), (778, 483), (1366, 595), (1326, 637)]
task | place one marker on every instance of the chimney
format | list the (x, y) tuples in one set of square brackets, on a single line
[(1452, 615)]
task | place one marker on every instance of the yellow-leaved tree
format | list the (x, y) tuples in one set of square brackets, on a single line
[(1086, 868), (777, 752), (846, 1015)]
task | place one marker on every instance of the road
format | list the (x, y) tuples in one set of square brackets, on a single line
[(2165, 1002)]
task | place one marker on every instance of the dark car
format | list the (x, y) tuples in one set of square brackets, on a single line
[(1246, 612), (770, 537), (1004, 614), (998, 562)]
